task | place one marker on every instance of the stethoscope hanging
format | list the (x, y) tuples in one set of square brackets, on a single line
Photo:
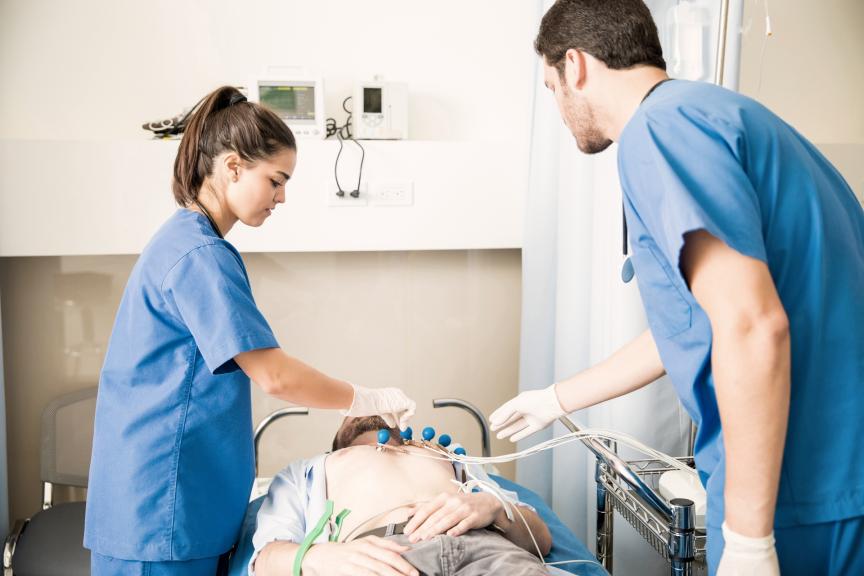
[(209, 218), (627, 271)]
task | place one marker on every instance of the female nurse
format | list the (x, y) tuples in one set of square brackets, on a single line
[(172, 464)]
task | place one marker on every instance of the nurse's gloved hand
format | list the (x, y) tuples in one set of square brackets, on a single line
[(527, 413), (390, 403), (745, 556)]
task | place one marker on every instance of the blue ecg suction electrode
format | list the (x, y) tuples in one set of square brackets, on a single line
[(383, 436)]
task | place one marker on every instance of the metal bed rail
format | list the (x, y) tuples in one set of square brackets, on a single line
[(277, 415), (269, 420), (476, 413)]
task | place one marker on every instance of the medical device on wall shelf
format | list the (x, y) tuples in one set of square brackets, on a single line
[(380, 110), (298, 101)]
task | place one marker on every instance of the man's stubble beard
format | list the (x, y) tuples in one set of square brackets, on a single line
[(583, 122)]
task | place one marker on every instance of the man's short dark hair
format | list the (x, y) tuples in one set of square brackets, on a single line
[(351, 428), (619, 33)]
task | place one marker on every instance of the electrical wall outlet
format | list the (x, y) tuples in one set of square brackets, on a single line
[(391, 193), (347, 201)]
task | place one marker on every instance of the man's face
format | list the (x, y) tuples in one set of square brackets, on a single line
[(362, 431), (576, 112)]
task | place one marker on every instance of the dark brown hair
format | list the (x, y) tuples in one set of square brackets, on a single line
[(619, 33), (225, 121), (351, 428)]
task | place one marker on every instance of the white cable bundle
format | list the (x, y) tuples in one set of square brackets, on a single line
[(587, 433)]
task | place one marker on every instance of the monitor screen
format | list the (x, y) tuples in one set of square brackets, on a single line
[(372, 100), (289, 102)]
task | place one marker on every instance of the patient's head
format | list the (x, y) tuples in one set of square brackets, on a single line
[(362, 430)]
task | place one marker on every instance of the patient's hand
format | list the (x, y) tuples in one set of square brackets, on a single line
[(453, 514), (370, 555)]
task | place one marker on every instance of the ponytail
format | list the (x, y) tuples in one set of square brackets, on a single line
[(224, 121)]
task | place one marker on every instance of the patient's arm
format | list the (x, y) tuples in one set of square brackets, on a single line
[(369, 555), (517, 533), (456, 514)]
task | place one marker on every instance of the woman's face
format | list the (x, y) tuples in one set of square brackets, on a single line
[(255, 189)]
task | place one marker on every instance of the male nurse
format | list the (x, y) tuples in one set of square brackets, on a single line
[(748, 248)]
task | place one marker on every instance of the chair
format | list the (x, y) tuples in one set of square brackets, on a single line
[(51, 541)]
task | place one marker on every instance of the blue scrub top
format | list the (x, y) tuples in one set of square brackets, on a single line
[(696, 156), (172, 464)]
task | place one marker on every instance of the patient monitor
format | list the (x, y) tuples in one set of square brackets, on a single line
[(298, 101)]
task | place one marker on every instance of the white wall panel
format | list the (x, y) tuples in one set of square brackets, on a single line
[(108, 197)]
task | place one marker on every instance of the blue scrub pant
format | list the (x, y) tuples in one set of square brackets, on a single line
[(108, 566), (829, 549)]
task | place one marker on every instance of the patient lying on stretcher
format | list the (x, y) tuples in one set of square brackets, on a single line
[(407, 515)]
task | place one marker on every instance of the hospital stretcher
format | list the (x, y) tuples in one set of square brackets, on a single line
[(629, 487), (565, 544)]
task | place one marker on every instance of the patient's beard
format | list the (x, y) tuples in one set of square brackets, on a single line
[(351, 428)]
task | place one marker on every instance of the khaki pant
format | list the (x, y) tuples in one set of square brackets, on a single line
[(477, 553)]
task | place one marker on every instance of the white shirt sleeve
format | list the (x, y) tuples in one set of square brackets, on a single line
[(282, 515)]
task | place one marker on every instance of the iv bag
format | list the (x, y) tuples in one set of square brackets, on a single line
[(687, 37)]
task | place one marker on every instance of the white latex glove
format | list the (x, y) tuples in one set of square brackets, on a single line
[(390, 403), (527, 413), (745, 556)]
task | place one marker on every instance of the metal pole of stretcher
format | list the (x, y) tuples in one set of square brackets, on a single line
[(679, 516)]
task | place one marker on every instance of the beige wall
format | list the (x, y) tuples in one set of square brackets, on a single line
[(435, 323), (811, 73), (813, 69)]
